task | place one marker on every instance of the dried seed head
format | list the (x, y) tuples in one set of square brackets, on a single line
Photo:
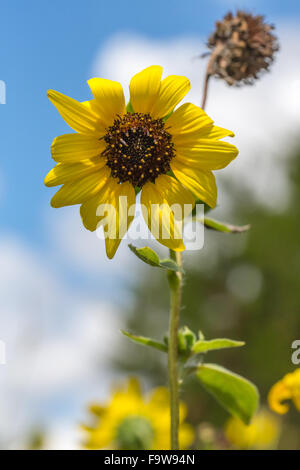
[(242, 46)]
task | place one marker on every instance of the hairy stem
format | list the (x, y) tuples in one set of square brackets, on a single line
[(175, 284)]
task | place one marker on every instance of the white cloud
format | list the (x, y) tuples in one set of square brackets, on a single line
[(264, 117), (83, 249), (58, 343)]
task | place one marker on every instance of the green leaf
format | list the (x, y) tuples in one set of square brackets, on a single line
[(149, 256), (146, 254), (236, 394), (220, 343), (146, 341), (222, 226), (170, 264)]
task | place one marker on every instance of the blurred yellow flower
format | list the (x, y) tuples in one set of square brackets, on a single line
[(118, 150), (287, 388), (262, 433), (130, 421)]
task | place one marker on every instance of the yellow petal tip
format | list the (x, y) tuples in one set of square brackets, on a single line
[(46, 181), (51, 94)]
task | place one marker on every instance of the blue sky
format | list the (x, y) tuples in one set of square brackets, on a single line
[(52, 45)]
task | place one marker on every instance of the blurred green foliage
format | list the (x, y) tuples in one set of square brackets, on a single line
[(243, 286)]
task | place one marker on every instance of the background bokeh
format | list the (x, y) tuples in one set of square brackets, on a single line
[(62, 302)]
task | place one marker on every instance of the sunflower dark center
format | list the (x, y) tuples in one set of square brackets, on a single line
[(139, 148)]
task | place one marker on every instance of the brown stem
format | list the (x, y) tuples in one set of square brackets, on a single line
[(209, 71), (205, 89)]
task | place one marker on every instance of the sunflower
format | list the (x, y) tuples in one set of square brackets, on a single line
[(146, 146), (133, 422), (288, 388), (262, 433)]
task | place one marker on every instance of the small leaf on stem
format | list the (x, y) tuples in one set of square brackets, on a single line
[(146, 341), (235, 393), (149, 256), (202, 346), (222, 226)]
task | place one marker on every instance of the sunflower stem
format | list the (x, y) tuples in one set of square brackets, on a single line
[(209, 72), (175, 284), (205, 89)]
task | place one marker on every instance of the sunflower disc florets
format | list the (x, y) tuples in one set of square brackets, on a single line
[(139, 148), (243, 46)]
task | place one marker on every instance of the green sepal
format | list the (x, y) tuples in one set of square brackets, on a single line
[(167, 116), (235, 393), (146, 341), (149, 256), (207, 208), (203, 346), (129, 108)]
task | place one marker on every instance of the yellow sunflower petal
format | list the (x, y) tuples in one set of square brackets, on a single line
[(96, 409), (211, 133), (91, 105), (157, 199), (109, 98), (279, 393), (124, 218), (206, 154), (81, 190), (74, 147), (172, 90), (100, 438), (76, 114), (186, 436), (296, 400), (88, 210), (134, 387), (202, 183), (218, 133), (116, 214), (144, 89), (65, 172), (160, 397), (188, 120)]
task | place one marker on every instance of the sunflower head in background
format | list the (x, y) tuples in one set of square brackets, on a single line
[(118, 151), (131, 421), (243, 46), (261, 434), (288, 388)]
